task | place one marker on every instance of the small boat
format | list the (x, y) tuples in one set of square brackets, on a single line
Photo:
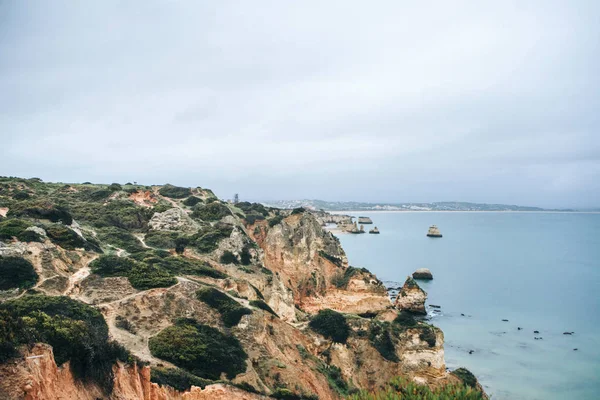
[(374, 231), (434, 231)]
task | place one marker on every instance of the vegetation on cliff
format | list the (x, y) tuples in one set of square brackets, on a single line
[(403, 389), (331, 324), (175, 192), (16, 272), (230, 310), (200, 349), (77, 333)]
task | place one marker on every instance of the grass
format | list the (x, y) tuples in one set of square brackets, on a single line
[(331, 324), (16, 272), (200, 349), (403, 389), (230, 310)]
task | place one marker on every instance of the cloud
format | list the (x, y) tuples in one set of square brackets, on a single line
[(427, 102)]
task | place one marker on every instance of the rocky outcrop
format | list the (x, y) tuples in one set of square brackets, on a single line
[(308, 258), (422, 273), (411, 298), (174, 219), (145, 198), (326, 218), (365, 220)]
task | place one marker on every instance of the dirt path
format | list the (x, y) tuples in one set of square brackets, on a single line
[(76, 278)]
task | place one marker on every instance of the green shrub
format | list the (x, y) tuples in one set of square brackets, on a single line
[(255, 208), (263, 306), (12, 227), (228, 258), (207, 240), (29, 236), (334, 378), (211, 212), (381, 338), (275, 220), (161, 239), (21, 195), (405, 389), (112, 266), (76, 331), (335, 260), (252, 218), (331, 324), (42, 210), (120, 238), (231, 311), (341, 279), (65, 237), (200, 349), (192, 201), (466, 376), (177, 378), (286, 394), (245, 256), (145, 276), (299, 210), (175, 192), (115, 187), (186, 266), (123, 323), (405, 319), (16, 272), (428, 335)]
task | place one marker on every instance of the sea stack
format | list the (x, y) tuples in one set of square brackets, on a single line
[(411, 298), (434, 232), (422, 273), (364, 220), (374, 231)]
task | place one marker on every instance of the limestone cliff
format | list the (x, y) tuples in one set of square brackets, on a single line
[(411, 298)]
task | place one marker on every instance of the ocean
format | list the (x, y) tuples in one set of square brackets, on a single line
[(540, 271)]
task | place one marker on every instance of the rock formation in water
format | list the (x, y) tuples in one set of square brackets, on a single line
[(141, 264), (422, 273), (411, 298), (364, 220)]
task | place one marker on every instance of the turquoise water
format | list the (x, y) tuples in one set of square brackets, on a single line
[(541, 271)]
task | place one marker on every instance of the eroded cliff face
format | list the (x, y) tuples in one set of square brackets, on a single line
[(411, 298), (308, 259), (37, 377)]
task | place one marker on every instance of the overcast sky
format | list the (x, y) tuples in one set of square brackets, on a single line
[(485, 101)]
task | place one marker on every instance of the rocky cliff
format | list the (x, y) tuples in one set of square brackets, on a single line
[(154, 276)]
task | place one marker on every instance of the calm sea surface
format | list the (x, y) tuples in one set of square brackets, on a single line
[(541, 271)]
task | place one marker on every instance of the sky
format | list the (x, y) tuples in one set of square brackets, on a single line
[(387, 101)]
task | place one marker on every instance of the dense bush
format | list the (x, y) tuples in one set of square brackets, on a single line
[(380, 336), (200, 349), (428, 335), (192, 201), (123, 214), (21, 195), (76, 331), (120, 238), (263, 306), (175, 192), (207, 240), (252, 208), (405, 389), (252, 218), (231, 311), (405, 319), (341, 279), (29, 236), (286, 394), (245, 256), (161, 239), (112, 266), (177, 378), (12, 227), (146, 276), (275, 220), (65, 237), (115, 187), (334, 378), (16, 272), (299, 210), (184, 266), (211, 212), (466, 376), (42, 210), (228, 258), (331, 324), (334, 259)]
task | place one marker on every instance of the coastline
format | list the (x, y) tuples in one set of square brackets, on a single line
[(338, 212)]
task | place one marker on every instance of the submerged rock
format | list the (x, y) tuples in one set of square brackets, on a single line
[(422, 273), (411, 298)]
